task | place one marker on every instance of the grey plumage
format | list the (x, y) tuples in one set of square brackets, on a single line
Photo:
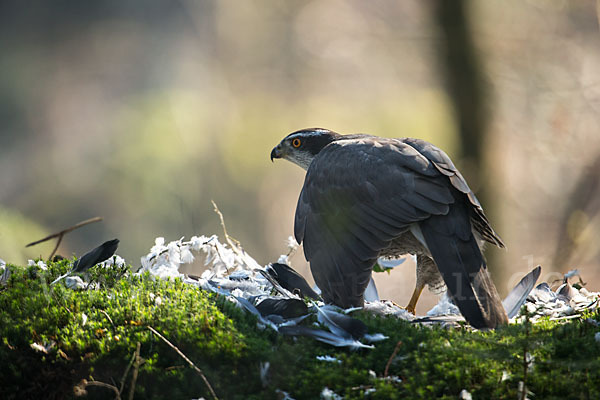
[(366, 196)]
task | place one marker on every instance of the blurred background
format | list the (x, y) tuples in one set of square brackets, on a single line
[(142, 112)]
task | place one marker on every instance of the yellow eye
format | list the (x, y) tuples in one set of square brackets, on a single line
[(296, 142)]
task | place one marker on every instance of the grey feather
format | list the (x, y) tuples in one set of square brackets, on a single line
[(289, 279), (323, 336), (517, 296)]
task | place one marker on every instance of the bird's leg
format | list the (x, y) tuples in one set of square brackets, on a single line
[(412, 304)]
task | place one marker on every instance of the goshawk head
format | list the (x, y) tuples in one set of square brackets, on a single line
[(302, 146)]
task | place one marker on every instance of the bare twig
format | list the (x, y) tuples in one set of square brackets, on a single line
[(389, 362), (72, 228), (56, 247), (136, 367), (174, 367), (108, 316), (85, 383), (227, 237), (60, 234), (198, 370), (235, 245), (133, 357)]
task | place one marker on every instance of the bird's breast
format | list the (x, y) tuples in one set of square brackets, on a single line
[(406, 243)]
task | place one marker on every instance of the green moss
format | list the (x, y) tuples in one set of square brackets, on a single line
[(229, 347)]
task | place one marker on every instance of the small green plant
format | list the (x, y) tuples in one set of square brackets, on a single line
[(108, 276)]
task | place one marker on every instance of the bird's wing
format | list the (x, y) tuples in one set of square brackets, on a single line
[(445, 165), (358, 195)]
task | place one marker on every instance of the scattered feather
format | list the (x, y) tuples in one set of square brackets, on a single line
[(5, 274), (75, 282), (386, 307), (286, 308), (377, 337), (290, 280), (324, 336), (328, 394), (386, 264), (43, 348), (264, 371), (93, 257), (393, 379), (444, 307), (518, 295), (283, 395), (329, 359), (371, 293), (340, 324), (40, 264)]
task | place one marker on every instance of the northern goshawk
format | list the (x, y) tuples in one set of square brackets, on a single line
[(366, 197)]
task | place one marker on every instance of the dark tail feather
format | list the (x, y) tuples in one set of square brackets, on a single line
[(462, 266), (489, 299)]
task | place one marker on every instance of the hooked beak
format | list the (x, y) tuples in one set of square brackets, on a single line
[(276, 152)]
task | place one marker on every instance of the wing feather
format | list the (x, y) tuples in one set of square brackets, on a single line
[(444, 165)]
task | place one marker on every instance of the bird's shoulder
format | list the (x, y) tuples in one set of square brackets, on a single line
[(365, 155)]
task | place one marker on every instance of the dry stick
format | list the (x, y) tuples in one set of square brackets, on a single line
[(127, 371), (136, 366), (227, 237), (387, 365), (174, 367), (108, 316), (235, 245), (56, 247), (198, 370), (105, 385), (60, 234)]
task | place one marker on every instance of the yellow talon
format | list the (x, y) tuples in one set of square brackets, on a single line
[(412, 304)]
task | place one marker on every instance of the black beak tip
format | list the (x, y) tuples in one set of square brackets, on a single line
[(275, 154)]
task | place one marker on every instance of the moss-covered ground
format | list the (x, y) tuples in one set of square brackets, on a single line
[(94, 334)]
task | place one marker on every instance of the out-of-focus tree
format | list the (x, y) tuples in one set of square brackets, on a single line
[(579, 224), (461, 71)]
